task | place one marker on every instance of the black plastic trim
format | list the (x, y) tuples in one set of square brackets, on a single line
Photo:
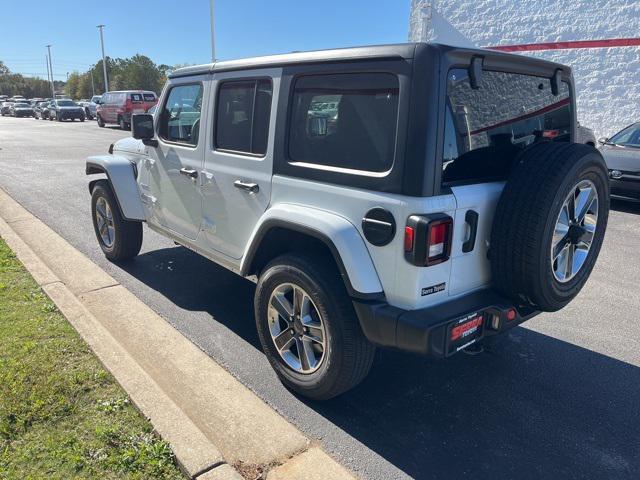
[(424, 331), (276, 223), (471, 218)]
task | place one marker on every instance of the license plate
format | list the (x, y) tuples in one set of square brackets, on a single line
[(138, 110), (464, 331)]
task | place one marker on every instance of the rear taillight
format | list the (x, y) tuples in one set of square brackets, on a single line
[(409, 233), (427, 239)]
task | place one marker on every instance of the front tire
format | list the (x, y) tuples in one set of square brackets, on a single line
[(308, 327), (119, 239), (100, 122)]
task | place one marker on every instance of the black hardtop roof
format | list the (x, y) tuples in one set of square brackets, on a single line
[(399, 51)]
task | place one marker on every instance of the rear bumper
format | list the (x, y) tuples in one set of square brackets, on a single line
[(426, 331)]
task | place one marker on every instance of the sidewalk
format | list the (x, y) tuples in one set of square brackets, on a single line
[(210, 419)]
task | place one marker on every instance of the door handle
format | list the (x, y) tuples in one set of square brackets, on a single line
[(249, 187), (189, 172), (471, 217)]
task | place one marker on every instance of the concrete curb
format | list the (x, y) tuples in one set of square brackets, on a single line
[(210, 419)]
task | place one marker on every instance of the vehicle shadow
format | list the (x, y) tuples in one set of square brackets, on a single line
[(193, 283), (531, 406), (625, 206)]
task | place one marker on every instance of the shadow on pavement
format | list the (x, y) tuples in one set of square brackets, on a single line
[(531, 406)]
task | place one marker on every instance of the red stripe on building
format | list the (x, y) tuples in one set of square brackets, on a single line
[(548, 108), (531, 47)]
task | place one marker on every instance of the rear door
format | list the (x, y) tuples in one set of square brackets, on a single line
[(238, 166), (485, 130)]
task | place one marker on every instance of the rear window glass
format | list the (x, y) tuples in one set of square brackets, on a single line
[(486, 128), (346, 121), (136, 97), (149, 97)]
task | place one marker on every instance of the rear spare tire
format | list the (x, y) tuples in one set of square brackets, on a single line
[(549, 224)]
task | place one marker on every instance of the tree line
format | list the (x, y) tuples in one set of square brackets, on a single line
[(15, 84), (136, 72)]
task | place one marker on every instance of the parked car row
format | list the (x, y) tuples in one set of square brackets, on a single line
[(110, 108)]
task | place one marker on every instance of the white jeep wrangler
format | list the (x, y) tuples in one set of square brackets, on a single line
[(415, 196)]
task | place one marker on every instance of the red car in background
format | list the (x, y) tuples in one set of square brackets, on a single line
[(117, 107)]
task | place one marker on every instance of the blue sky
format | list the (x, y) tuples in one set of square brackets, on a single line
[(177, 31)]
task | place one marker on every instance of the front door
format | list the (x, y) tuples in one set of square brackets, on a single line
[(175, 165), (239, 162)]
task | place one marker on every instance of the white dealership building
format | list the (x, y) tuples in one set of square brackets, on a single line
[(597, 38)]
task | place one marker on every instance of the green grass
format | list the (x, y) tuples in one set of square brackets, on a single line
[(62, 415)]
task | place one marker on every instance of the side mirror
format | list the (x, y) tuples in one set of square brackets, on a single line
[(603, 140), (142, 128)]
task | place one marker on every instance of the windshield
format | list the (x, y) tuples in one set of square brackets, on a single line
[(66, 103), (22, 105), (486, 128), (629, 137)]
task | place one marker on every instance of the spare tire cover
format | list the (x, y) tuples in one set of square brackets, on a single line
[(549, 224)]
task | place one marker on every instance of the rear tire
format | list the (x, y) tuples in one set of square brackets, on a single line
[(346, 356), (534, 221), (119, 239), (100, 121)]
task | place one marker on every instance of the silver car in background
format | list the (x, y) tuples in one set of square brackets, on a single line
[(622, 154)]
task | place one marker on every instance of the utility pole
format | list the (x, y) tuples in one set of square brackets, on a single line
[(104, 62), (213, 37), (46, 61), (53, 90), (93, 88)]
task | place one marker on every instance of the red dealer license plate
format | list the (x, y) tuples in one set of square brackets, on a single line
[(464, 332)]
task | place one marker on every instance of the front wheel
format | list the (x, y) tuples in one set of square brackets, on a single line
[(100, 122), (308, 327), (119, 239)]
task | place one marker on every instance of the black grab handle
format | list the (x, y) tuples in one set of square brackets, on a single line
[(471, 217)]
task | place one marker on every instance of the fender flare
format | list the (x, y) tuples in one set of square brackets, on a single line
[(122, 177), (338, 234)]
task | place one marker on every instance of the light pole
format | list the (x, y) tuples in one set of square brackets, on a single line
[(46, 61), (53, 90), (213, 38), (104, 62), (93, 89)]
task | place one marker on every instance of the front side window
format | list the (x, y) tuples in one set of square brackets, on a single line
[(346, 121), (243, 110), (486, 128), (180, 115)]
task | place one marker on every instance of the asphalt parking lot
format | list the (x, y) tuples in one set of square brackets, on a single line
[(557, 398)]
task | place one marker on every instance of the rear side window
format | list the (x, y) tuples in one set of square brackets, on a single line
[(180, 115), (136, 97), (243, 110), (486, 128), (347, 121)]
